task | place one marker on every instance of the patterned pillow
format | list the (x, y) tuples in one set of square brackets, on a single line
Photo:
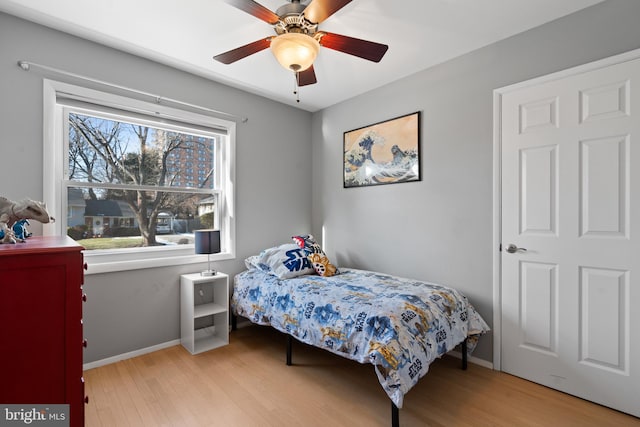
[(308, 243), (284, 261), (316, 255), (254, 262)]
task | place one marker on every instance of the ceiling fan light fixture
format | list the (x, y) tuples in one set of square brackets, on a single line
[(295, 51)]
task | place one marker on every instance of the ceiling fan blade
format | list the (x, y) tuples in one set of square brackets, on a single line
[(255, 9), (306, 77), (319, 10), (243, 51), (361, 48)]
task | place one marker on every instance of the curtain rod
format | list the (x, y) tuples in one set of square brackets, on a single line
[(27, 66)]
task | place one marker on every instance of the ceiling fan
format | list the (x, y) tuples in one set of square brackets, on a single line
[(298, 39)]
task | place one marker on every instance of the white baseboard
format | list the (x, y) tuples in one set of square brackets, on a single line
[(129, 355), (471, 359)]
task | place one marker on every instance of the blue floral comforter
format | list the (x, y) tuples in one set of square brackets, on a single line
[(398, 325)]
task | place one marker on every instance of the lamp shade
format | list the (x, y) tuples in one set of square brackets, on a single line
[(295, 51), (207, 241)]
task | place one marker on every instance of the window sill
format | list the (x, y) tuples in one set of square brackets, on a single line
[(106, 263)]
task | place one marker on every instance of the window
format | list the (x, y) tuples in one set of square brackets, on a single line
[(135, 178)]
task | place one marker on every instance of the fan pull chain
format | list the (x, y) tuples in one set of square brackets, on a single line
[(296, 89)]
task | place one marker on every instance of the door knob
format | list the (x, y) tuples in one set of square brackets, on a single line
[(512, 249)]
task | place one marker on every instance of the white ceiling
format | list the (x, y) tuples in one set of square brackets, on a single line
[(186, 34)]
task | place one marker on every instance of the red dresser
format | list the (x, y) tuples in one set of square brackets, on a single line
[(41, 340)]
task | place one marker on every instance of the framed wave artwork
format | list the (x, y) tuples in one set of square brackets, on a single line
[(387, 152)]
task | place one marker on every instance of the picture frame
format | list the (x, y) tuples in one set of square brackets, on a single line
[(386, 152)]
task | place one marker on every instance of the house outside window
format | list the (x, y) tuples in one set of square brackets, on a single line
[(133, 177)]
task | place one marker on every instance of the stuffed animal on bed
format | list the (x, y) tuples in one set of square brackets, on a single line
[(321, 265), (316, 255)]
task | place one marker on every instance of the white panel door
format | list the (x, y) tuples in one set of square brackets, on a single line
[(570, 163)]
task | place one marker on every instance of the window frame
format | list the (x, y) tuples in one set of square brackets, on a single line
[(57, 96)]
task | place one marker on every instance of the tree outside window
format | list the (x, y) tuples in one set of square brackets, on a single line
[(138, 180)]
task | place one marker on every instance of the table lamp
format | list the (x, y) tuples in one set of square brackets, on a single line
[(208, 242)]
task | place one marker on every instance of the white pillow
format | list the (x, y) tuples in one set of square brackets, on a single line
[(284, 261)]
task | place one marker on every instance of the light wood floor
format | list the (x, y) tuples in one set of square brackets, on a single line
[(248, 384)]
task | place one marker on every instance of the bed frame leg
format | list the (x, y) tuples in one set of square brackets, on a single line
[(289, 346), (234, 322), (464, 355), (395, 415)]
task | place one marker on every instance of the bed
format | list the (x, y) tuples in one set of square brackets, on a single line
[(398, 325)]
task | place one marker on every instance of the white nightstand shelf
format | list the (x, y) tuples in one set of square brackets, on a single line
[(208, 309), (204, 311)]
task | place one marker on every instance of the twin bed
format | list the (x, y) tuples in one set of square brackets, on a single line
[(398, 325)]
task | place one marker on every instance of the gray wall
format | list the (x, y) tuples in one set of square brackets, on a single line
[(128, 311), (440, 229)]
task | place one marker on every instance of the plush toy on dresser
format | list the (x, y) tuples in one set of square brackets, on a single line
[(20, 229), (14, 217)]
